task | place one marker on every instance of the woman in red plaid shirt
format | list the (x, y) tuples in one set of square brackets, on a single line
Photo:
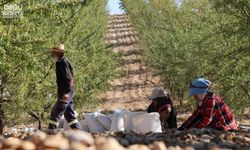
[(211, 111)]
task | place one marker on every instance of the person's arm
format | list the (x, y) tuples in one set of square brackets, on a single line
[(67, 77), (172, 121), (72, 73), (150, 108), (207, 114), (191, 120)]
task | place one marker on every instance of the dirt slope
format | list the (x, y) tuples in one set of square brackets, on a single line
[(131, 90)]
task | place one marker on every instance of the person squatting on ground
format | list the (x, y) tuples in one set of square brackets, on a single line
[(162, 104), (211, 111), (65, 92)]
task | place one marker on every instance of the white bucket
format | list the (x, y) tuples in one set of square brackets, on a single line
[(145, 123), (128, 116)]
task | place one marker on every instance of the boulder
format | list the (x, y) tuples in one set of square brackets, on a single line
[(159, 146), (27, 145), (11, 143), (138, 147), (80, 136), (103, 143), (56, 142)]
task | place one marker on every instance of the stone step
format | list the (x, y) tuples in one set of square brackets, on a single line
[(118, 17), (119, 26), (123, 41), (118, 21), (117, 35), (120, 30)]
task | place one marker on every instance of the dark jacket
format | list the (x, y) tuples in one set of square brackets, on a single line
[(171, 121), (64, 77)]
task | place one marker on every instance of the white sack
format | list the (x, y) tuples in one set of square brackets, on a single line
[(83, 125), (104, 120), (117, 121), (145, 123), (128, 116), (93, 124)]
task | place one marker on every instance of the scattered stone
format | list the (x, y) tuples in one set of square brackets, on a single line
[(138, 147), (171, 139), (38, 137), (188, 148), (212, 146), (227, 144), (1, 139), (133, 139), (78, 146), (108, 144), (174, 148), (56, 142), (206, 138), (80, 136), (11, 143), (124, 142), (26, 145), (230, 136), (217, 139), (242, 139), (159, 146)]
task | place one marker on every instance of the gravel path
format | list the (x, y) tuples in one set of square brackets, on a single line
[(130, 91)]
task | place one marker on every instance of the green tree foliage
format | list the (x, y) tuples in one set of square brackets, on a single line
[(198, 38), (27, 73)]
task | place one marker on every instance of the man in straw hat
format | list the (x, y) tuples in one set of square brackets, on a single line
[(64, 79), (162, 104)]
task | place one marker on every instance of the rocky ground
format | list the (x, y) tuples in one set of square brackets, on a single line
[(193, 139)]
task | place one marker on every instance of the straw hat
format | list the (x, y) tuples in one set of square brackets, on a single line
[(158, 92), (59, 48)]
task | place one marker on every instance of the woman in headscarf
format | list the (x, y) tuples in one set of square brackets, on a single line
[(162, 104)]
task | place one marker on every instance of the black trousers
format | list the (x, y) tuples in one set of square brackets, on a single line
[(63, 108)]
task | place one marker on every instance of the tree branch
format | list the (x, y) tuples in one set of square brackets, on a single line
[(39, 82), (32, 114), (246, 13)]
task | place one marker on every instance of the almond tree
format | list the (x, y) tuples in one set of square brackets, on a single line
[(27, 78)]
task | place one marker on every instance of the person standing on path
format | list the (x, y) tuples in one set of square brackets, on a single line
[(65, 92)]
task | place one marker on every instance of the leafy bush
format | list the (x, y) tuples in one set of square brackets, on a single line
[(27, 78), (197, 38)]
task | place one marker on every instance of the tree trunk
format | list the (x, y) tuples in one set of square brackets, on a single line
[(35, 116), (39, 124), (1, 118), (1, 126), (180, 97)]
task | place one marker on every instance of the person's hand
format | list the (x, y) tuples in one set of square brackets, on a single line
[(65, 97), (165, 113)]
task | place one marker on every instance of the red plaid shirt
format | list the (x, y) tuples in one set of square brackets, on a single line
[(212, 113)]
